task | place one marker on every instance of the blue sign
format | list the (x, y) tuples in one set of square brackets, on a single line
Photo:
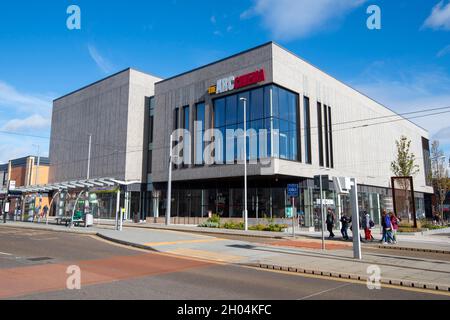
[(292, 190)]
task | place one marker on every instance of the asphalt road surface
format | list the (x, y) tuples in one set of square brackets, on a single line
[(33, 265)]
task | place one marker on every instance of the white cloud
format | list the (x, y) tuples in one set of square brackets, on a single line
[(445, 51), (13, 100), (34, 122), (18, 147), (36, 112), (213, 19), (289, 19), (101, 62), (440, 17)]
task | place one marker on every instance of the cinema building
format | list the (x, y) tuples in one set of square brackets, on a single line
[(314, 124)]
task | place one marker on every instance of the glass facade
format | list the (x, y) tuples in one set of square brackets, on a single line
[(267, 198), (271, 108), (199, 131)]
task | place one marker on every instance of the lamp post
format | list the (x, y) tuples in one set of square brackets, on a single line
[(36, 176), (244, 100), (169, 184), (89, 158)]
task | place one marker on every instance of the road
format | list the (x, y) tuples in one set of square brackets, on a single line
[(33, 265)]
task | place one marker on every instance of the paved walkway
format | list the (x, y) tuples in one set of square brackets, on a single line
[(301, 255), (427, 242)]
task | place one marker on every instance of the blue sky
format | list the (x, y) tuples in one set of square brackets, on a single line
[(405, 65)]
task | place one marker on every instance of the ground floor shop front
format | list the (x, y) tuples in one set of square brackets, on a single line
[(267, 198)]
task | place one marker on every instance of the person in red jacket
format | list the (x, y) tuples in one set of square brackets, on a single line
[(395, 221)]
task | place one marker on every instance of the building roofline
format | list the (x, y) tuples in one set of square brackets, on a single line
[(216, 62), (92, 84), (298, 57), (103, 79), (346, 84), (44, 161)]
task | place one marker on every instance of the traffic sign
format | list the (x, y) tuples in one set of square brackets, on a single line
[(292, 191)]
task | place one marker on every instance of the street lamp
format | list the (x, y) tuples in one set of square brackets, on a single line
[(36, 180), (89, 158), (244, 100), (169, 183)]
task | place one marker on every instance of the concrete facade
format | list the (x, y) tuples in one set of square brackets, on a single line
[(116, 112), (113, 112), (364, 153), (189, 89)]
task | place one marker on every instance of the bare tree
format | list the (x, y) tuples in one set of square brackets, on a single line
[(405, 166), (439, 175)]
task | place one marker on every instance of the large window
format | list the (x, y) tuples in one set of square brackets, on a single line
[(320, 133), (427, 160), (327, 136), (272, 108), (330, 133), (186, 126), (151, 110), (199, 130), (307, 129)]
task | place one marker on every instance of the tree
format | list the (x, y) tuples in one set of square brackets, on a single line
[(439, 175), (405, 166)]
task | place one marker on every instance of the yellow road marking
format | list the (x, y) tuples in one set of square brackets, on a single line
[(207, 255), (168, 243)]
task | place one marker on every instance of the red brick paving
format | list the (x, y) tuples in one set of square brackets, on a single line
[(310, 244), (52, 277)]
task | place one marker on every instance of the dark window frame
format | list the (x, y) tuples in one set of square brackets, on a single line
[(320, 133), (327, 135), (307, 129), (330, 129), (203, 131)]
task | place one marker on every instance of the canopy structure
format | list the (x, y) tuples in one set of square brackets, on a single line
[(76, 184)]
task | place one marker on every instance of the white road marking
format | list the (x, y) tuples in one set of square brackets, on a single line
[(5, 254), (325, 291)]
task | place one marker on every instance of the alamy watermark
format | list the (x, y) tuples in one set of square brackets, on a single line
[(216, 147), (374, 279), (73, 281), (374, 20), (73, 21)]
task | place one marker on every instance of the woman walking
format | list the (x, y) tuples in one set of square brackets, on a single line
[(395, 221), (368, 225)]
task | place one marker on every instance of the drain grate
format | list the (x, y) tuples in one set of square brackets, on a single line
[(39, 259)]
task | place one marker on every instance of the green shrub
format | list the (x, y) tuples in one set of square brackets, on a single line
[(269, 227), (209, 224), (433, 227), (234, 225), (214, 219)]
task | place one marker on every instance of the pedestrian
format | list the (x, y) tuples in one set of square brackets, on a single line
[(330, 222), (387, 228), (395, 221), (368, 225), (44, 211), (344, 230)]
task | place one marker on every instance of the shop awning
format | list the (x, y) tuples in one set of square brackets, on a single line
[(76, 184)]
